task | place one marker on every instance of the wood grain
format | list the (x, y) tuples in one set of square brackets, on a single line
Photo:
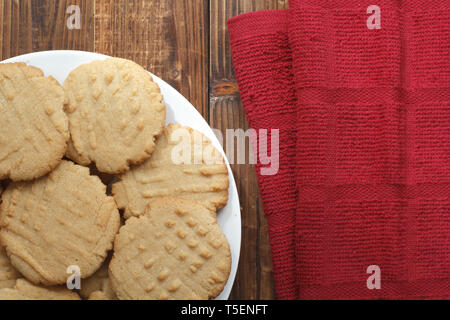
[(32, 25), (184, 42)]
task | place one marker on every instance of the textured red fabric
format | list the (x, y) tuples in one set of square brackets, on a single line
[(372, 155), (373, 148), (263, 66)]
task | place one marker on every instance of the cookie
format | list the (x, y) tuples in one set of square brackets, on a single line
[(176, 250), (115, 113), (60, 220), (33, 126), (24, 290), (98, 286), (8, 275), (184, 164)]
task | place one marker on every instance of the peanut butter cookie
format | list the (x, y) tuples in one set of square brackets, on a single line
[(176, 250), (115, 113), (184, 164), (33, 126), (63, 219)]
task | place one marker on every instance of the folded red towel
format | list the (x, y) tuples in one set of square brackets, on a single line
[(262, 62), (373, 145), (373, 148)]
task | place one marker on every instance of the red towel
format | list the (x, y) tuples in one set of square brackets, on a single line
[(263, 65), (373, 169), (373, 148)]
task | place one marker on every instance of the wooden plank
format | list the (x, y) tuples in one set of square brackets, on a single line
[(10, 28), (168, 37), (191, 33), (33, 25), (254, 278)]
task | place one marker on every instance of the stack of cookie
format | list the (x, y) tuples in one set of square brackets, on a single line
[(60, 147)]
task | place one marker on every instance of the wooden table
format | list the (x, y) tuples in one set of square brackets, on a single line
[(184, 42)]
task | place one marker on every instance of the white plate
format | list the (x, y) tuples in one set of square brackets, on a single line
[(179, 110)]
